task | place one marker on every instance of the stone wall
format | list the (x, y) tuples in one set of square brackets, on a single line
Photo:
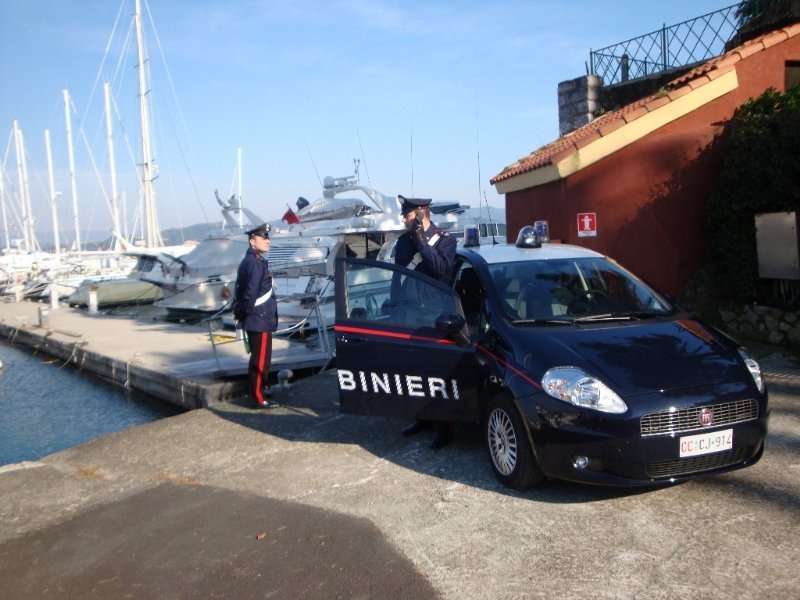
[(764, 324), (583, 99), (577, 102)]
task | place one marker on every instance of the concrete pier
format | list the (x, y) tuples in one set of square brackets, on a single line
[(305, 502), (173, 362)]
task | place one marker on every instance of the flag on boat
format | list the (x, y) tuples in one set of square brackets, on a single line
[(289, 217)]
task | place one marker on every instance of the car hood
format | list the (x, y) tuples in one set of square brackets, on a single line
[(642, 357)]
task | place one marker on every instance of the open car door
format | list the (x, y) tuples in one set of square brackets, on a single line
[(402, 346)]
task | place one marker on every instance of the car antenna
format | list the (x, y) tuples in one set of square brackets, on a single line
[(313, 163), (478, 146), (489, 214)]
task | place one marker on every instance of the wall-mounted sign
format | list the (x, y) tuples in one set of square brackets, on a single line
[(587, 224)]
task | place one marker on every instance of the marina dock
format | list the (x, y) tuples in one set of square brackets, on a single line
[(306, 502), (186, 365)]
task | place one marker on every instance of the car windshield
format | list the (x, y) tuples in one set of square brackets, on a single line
[(588, 289)]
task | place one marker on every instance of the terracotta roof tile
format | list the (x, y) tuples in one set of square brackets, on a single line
[(792, 30), (699, 82), (656, 102), (729, 59), (712, 75), (678, 92), (704, 69), (749, 49), (587, 139), (561, 153), (632, 115), (570, 143), (776, 37), (612, 125)]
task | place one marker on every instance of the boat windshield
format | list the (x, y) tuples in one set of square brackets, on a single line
[(574, 289)]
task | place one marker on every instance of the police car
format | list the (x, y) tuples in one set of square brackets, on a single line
[(576, 368)]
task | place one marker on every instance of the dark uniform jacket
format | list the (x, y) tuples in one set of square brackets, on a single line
[(253, 280), (409, 300), (437, 255)]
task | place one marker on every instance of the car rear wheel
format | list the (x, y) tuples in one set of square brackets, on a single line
[(510, 451)]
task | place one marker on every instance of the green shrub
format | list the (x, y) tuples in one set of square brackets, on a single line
[(760, 174)]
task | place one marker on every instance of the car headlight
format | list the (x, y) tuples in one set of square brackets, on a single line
[(754, 368), (577, 387)]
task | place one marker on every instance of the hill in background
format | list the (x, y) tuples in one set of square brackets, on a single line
[(101, 240)]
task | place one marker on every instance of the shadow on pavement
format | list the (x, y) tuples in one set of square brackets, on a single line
[(309, 412), (191, 541)]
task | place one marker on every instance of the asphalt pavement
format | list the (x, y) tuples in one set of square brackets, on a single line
[(304, 502)]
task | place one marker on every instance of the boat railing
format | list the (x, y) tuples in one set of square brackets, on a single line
[(298, 269), (316, 312)]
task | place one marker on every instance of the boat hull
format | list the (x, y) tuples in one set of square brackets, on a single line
[(116, 293)]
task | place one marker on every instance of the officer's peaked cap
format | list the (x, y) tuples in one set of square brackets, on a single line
[(261, 231), (409, 204)]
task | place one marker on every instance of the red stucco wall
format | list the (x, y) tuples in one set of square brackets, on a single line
[(650, 196)]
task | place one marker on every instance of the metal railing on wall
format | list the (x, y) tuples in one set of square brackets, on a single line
[(670, 47)]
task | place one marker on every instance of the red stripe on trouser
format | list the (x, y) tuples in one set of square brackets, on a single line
[(260, 351)]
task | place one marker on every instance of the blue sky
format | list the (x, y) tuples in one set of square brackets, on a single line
[(433, 97)]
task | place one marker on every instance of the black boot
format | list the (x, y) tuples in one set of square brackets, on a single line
[(443, 436), (415, 428)]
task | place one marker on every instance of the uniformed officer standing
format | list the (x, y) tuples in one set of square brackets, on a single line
[(256, 311), (433, 253), (436, 248)]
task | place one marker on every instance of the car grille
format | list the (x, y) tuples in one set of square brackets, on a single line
[(688, 419), (684, 466)]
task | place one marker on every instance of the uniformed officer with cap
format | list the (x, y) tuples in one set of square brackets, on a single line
[(432, 252), (432, 249), (256, 311)]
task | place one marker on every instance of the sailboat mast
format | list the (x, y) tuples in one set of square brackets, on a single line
[(3, 208), (73, 183), (239, 183), (21, 182), (112, 166), (53, 194), (239, 162), (24, 200), (148, 170)]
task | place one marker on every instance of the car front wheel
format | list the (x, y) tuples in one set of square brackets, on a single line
[(510, 451)]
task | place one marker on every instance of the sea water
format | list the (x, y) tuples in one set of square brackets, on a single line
[(47, 405)]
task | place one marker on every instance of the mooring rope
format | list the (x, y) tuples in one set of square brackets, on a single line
[(71, 356)]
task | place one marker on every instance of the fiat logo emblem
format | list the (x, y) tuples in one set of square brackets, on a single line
[(706, 417)]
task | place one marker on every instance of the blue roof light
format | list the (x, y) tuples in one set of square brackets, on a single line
[(527, 238), (471, 236), (532, 236)]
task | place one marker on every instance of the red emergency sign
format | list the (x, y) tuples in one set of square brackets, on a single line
[(587, 224)]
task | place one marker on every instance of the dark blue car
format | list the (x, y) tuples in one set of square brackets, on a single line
[(575, 367)]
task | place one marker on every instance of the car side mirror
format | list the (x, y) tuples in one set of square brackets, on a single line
[(453, 326)]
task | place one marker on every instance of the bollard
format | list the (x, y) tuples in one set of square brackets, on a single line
[(284, 375), (44, 317), (53, 296), (92, 302)]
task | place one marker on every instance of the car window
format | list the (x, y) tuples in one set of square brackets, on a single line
[(470, 292), (393, 295), (547, 289)]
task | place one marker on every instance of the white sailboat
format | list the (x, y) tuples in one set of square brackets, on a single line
[(28, 272), (152, 256)]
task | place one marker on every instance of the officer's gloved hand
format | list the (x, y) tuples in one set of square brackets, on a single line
[(418, 230)]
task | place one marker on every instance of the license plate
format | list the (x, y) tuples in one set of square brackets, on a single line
[(706, 443)]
